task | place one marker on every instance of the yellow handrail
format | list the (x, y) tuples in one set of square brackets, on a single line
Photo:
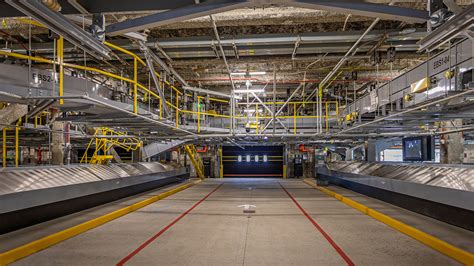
[(104, 144), (151, 93)]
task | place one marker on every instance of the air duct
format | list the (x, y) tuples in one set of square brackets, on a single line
[(61, 25)]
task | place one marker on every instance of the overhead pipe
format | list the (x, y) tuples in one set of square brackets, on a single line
[(303, 149), (150, 58), (232, 102), (170, 70), (294, 81), (203, 150), (311, 137), (350, 52)]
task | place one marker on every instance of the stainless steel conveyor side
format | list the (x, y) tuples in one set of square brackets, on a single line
[(32, 195)]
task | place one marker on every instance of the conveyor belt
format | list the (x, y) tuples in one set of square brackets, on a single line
[(32, 195), (443, 192), (459, 177), (206, 225)]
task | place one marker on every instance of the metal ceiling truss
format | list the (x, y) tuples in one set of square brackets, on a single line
[(354, 7), (363, 8), (173, 16)]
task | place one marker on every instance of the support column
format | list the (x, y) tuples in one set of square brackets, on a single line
[(371, 150), (58, 143), (452, 145), (137, 155)]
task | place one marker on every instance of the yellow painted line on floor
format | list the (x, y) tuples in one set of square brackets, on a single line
[(437, 244), (48, 241)]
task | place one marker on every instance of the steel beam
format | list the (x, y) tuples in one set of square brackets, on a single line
[(265, 41), (363, 8), (173, 16), (205, 91)]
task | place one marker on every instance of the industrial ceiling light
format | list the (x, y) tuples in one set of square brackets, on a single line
[(257, 73), (252, 110), (248, 84), (250, 91), (62, 26)]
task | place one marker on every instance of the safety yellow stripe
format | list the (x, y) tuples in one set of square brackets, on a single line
[(437, 244), (45, 242)]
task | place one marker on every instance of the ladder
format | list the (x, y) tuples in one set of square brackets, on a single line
[(195, 159), (5, 147)]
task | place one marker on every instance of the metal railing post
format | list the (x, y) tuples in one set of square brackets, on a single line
[(60, 53), (17, 130), (4, 148), (135, 84), (294, 118), (177, 109)]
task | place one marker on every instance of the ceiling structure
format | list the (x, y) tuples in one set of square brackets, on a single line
[(288, 43), (260, 38)]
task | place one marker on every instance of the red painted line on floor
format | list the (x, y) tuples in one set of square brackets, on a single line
[(164, 229), (320, 229)]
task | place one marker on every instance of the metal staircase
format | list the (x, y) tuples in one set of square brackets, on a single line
[(195, 159)]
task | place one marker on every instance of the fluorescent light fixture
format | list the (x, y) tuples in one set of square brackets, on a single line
[(238, 74), (239, 158), (247, 158), (250, 91), (256, 158), (252, 110), (61, 25), (256, 73), (265, 158)]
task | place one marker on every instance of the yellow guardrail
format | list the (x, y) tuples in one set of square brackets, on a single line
[(103, 144), (147, 92)]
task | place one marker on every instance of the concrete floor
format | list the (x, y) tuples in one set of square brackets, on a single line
[(217, 232)]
